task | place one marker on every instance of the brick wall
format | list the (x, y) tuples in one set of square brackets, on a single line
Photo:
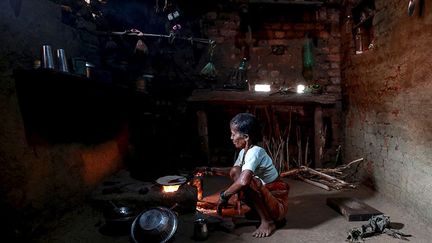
[(285, 25), (389, 110), (322, 24)]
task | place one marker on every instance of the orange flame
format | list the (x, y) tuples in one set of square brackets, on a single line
[(171, 188)]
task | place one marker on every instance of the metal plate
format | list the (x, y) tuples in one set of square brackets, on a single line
[(171, 180)]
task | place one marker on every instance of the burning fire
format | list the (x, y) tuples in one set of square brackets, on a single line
[(173, 188)]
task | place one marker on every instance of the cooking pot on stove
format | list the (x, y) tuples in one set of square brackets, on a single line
[(157, 224)]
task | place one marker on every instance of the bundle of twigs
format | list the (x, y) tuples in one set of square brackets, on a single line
[(275, 148), (321, 177)]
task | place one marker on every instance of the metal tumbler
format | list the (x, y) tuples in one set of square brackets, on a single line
[(200, 229), (47, 57), (62, 62)]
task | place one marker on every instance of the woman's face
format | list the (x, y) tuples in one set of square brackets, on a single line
[(238, 139)]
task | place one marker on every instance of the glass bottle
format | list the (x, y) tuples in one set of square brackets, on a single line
[(359, 41), (242, 70)]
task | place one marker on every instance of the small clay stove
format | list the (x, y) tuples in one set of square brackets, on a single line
[(167, 192)]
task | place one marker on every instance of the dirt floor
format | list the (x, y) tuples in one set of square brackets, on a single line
[(309, 220)]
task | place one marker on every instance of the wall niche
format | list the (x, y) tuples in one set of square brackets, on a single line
[(363, 12)]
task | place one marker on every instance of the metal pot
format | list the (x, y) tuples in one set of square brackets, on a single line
[(157, 224)]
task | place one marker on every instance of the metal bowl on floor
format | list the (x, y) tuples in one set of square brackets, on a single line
[(157, 224)]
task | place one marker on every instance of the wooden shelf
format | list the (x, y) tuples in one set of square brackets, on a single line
[(249, 97), (296, 2)]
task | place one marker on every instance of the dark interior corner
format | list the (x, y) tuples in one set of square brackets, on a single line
[(99, 99)]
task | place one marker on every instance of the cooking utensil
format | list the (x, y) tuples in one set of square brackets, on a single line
[(411, 7), (47, 57), (119, 213), (157, 224), (62, 62), (171, 180), (200, 229)]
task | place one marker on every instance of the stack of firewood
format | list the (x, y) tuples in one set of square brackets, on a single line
[(327, 179)]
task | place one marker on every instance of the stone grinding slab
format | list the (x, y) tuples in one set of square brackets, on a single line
[(352, 209)]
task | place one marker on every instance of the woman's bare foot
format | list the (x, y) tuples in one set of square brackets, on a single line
[(265, 229)]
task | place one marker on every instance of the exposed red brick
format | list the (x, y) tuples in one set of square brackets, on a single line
[(335, 49), (334, 58), (287, 26), (300, 27), (278, 42), (279, 34), (290, 34), (323, 34), (213, 32), (230, 25), (322, 15), (334, 65), (333, 88), (273, 26), (334, 72), (228, 33)]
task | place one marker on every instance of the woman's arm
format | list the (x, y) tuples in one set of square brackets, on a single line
[(220, 171), (235, 172), (242, 181)]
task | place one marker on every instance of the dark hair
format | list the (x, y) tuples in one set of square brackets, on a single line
[(247, 123)]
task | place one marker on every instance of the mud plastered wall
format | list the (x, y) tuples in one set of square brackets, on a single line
[(47, 179), (389, 110)]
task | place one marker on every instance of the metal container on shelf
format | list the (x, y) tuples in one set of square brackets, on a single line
[(89, 69), (62, 61), (47, 57)]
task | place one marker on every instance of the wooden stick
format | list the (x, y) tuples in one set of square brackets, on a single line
[(287, 141), (336, 186), (279, 153), (306, 152), (269, 122), (291, 172), (330, 171), (299, 146), (352, 162), (338, 169), (276, 123), (312, 171), (315, 183)]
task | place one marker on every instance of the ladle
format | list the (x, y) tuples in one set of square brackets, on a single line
[(411, 7), (119, 212)]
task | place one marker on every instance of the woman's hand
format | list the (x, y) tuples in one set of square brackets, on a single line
[(223, 202)]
